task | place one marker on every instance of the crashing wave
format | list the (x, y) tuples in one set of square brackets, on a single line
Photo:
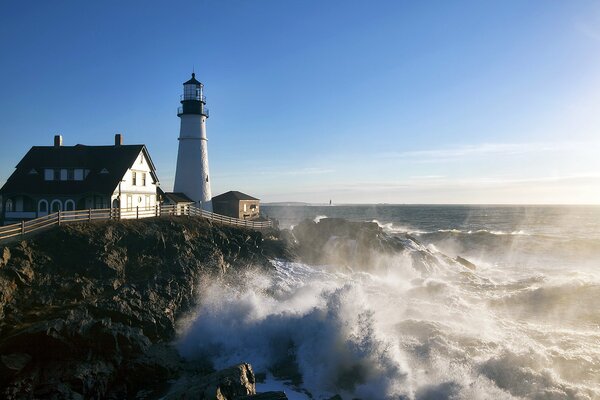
[(365, 313)]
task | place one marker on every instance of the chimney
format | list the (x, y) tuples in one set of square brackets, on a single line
[(118, 139), (57, 140)]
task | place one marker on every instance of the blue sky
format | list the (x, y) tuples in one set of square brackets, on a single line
[(358, 102)]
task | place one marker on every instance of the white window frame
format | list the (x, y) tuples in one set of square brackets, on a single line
[(43, 201), (55, 201), (67, 205)]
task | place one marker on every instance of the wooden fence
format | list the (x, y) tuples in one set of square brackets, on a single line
[(62, 217)]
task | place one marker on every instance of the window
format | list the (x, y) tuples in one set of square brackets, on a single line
[(245, 205), (104, 171), (33, 172), (143, 179), (69, 205), (43, 206), (9, 205), (133, 178), (48, 174), (63, 174), (78, 174), (129, 202), (56, 206)]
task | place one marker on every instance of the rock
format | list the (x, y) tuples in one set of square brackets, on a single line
[(265, 396), (336, 241), (11, 365), (88, 310), (228, 384), (4, 257)]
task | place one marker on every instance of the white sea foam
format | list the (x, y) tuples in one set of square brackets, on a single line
[(399, 332), (319, 217)]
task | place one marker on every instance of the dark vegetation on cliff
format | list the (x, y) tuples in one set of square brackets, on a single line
[(88, 310)]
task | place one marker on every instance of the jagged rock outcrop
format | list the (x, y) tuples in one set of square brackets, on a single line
[(362, 245), (265, 396), (228, 384), (88, 310)]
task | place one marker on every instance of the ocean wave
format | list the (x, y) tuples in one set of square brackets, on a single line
[(389, 316), (392, 333)]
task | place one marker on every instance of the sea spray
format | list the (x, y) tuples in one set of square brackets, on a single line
[(394, 329)]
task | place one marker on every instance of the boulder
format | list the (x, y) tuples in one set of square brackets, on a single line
[(265, 396), (228, 384)]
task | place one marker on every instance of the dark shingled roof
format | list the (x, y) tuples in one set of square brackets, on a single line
[(177, 197), (233, 195), (115, 159), (192, 81)]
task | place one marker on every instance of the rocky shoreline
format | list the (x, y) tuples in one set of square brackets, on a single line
[(91, 310)]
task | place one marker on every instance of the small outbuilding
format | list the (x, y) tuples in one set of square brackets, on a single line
[(237, 205), (173, 198)]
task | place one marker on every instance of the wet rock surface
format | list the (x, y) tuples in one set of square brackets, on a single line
[(89, 310), (358, 245), (228, 384)]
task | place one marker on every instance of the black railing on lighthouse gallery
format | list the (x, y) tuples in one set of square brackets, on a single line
[(196, 97), (204, 111)]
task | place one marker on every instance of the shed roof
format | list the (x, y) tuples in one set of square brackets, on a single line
[(233, 195), (178, 197), (106, 165)]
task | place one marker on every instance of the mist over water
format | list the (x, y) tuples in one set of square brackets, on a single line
[(524, 324)]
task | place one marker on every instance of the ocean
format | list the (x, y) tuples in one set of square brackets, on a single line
[(525, 323)]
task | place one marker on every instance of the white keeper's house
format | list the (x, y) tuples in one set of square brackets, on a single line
[(65, 178)]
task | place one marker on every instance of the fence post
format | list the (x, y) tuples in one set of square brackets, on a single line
[(156, 210), (58, 217), (22, 228), (89, 214), (137, 212)]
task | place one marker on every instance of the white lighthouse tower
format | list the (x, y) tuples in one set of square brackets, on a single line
[(191, 176)]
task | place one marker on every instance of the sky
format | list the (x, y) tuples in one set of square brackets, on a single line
[(359, 102)]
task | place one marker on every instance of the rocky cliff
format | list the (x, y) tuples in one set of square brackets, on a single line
[(89, 310)]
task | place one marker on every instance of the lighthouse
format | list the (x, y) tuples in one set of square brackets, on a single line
[(192, 177)]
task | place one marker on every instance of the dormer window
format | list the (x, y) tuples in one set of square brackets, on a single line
[(48, 174), (33, 172), (104, 171), (78, 174)]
